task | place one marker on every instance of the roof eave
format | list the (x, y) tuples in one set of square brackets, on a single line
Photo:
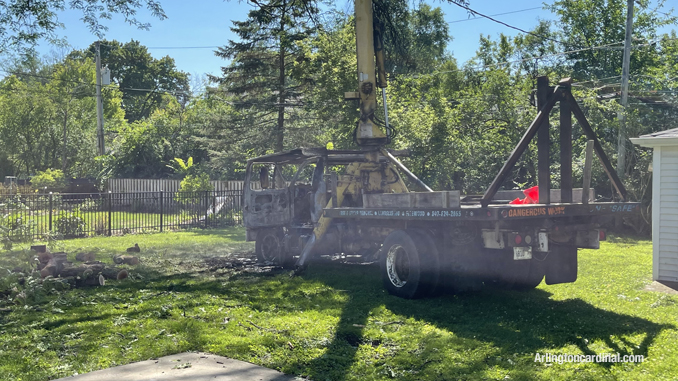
[(652, 142)]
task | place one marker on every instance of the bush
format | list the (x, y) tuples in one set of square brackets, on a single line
[(92, 205), (52, 179), (196, 183), (14, 229), (70, 224)]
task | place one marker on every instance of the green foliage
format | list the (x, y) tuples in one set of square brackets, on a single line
[(261, 78), (14, 227), (196, 183), (70, 223), (26, 23), (144, 149), (133, 67), (50, 180), (181, 167), (48, 123)]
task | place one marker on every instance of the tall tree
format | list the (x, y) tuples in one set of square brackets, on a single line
[(143, 80), (261, 77), (601, 25)]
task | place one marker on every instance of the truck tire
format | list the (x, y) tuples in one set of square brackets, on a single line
[(409, 264), (522, 275), (531, 277), (269, 247)]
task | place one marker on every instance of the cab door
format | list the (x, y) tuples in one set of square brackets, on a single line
[(267, 203)]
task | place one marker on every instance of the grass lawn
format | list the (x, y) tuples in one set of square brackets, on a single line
[(335, 322)]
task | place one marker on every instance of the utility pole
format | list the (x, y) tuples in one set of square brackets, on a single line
[(621, 143), (100, 103)]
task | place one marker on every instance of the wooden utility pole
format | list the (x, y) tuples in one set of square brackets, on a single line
[(621, 143), (100, 104)]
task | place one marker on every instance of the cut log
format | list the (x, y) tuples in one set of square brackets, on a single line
[(55, 265), (39, 248), (126, 259), (85, 257), (83, 271), (43, 259)]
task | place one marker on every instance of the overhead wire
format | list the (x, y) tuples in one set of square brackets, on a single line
[(508, 25), (497, 14)]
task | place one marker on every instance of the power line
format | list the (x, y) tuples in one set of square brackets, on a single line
[(481, 67), (183, 47), (497, 14), (122, 46), (508, 25)]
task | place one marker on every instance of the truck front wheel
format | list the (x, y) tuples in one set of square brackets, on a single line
[(269, 247), (409, 264)]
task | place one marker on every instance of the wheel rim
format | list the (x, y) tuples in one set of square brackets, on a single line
[(398, 265), (270, 248)]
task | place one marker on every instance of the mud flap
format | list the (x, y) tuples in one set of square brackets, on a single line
[(562, 265)]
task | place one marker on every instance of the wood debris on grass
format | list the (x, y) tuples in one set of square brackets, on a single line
[(89, 273)]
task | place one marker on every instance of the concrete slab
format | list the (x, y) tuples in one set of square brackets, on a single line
[(663, 286), (185, 367)]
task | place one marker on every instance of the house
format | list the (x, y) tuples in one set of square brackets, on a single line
[(664, 202)]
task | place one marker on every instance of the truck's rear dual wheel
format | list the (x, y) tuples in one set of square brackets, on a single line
[(409, 264), (523, 275)]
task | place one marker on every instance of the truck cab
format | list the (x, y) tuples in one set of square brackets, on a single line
[(284, 195)]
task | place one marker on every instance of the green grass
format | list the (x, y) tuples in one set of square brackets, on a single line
[(336, 322)]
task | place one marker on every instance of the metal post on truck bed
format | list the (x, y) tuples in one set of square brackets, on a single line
[(543, 144), (591, 135), (520, 148), (565, 142)]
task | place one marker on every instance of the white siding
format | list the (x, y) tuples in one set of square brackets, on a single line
[(666, 241)]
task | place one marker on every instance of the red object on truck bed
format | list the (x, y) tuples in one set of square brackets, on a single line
[(531, 197)]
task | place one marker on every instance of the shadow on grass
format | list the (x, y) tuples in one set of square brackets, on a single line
[(503, 321), (511, 322)]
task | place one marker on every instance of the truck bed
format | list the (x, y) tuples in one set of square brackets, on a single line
[(490, 213)]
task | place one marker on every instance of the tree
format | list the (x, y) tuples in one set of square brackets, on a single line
[(27, 129), (602, 24), (48, 119), (260, 78), (143, 80), (146, 148), (25, 22)]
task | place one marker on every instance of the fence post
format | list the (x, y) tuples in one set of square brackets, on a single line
[(50, 211), (162, 193), (110, 209), (207, 205)]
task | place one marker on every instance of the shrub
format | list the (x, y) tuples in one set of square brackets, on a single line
[(52, 179), (90, 205), (196, 183), (14, 229), (70, 224)]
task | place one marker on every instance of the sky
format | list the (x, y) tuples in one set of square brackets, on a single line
[(193, 29)]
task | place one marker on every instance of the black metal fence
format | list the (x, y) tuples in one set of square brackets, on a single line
[(70, 215)]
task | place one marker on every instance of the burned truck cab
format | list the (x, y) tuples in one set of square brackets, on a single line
[(284, 195)]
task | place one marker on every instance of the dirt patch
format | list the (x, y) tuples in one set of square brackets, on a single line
[(243, 262), (663, 286)]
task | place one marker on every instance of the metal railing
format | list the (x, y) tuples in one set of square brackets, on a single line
[(71, 215)]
